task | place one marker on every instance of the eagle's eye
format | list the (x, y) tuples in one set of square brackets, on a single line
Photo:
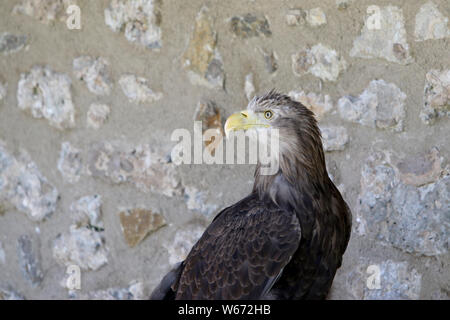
[(268, 114)]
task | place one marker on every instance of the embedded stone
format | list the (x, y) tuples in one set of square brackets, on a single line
[(296, 17), (81, 246), (45, 11), (23, 186), (334, 138), (201, 59), (321, 61), (320, 104), (84, 244), (381, 105), (87, 211), (94, 72), (383, 36), (250, 25), (46, 94), (270, 61), (430, 23), (410, 218), (11, 43), (436, 96), (29, 259), (137, 223), (97, 115), (137, 90), (143, 166), (10, 294), (70, 163), (140, 20), (316, 17), (421, 169), (198, 201), (135, 291), (183, 242)]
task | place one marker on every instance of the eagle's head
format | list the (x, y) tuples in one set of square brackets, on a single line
[(300, 145)]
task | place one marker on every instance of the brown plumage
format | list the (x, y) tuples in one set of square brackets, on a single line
[(283, 241)]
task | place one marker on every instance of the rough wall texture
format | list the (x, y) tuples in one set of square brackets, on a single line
[(86, 117)]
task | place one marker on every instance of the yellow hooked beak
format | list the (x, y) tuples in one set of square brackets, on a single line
[(243, 120)]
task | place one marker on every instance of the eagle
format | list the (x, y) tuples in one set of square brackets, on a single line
[(283, 241)]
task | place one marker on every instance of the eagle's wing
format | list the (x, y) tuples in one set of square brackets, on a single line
[(241, 254)]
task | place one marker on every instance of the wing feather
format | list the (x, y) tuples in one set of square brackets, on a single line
[(241, 254)]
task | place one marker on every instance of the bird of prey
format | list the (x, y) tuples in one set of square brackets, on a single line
[(286, 239)]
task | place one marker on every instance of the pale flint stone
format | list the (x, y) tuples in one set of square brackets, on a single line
[(430, 23), (183, 242), (320, 104), (97, 115), (84, 244), (70, 162), (45, 11), (411, 218), (135, 291), (11, 43), (422, 169), (143, 166), (295, 17), (197, 200), (137, 90), (9, 294), (316, 17), (94, 72), (87, 211), (140, 20), (334, 138), (81, 246), (321, 61), (436, 96), (385, 40), (22, 185), (46, 94), (381, 105), (29, 259), (270, 61)]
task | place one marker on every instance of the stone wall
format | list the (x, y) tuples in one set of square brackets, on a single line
[(86, 117)]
